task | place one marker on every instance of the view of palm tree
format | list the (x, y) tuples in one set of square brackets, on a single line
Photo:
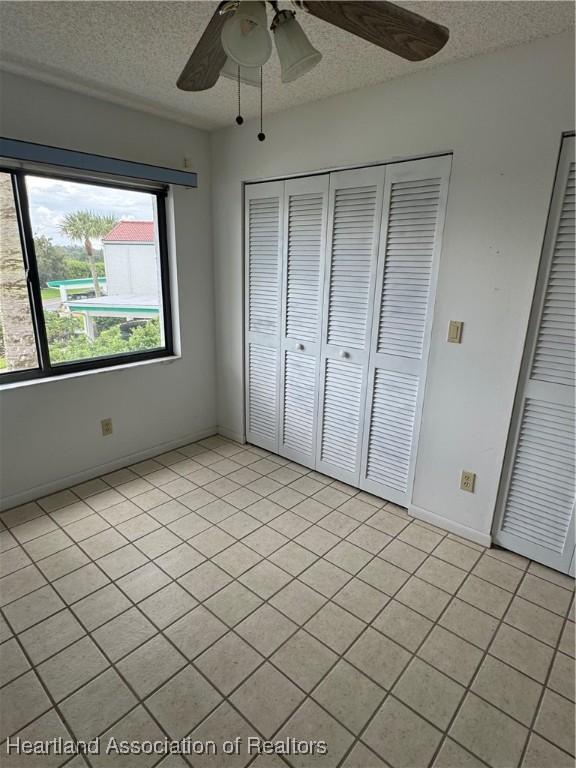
[(83, 227)]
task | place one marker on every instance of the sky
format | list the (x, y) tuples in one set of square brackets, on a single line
[(51, 199)]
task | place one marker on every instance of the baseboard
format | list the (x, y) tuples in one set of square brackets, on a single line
[(231, 434), (450, 525), (38, 491)]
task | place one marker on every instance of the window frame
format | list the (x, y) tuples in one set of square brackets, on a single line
[(46, 369)]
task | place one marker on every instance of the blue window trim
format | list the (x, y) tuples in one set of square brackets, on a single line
[(26, 151)]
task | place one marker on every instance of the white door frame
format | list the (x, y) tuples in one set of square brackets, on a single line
[(438, 167), (527, 388), (299, 346), (272, 341), (363, 177)]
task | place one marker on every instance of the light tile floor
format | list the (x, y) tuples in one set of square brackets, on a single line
[(220, 591)]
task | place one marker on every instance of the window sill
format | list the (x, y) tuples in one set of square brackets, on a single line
[(167, 360)]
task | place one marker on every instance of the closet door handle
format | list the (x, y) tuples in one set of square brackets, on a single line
[(299, 347), (344, 354)]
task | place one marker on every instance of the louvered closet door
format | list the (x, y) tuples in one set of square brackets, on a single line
[(535, 514), (354, 215), (305, 213), (413, 219), (264, 205)]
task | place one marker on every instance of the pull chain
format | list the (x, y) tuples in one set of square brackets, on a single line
[(261, 135), (239, 118)]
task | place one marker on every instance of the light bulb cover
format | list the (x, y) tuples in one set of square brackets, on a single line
[(248, 75), (296, 53), (245, 36)]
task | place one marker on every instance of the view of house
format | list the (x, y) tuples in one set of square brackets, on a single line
[(130, 286)]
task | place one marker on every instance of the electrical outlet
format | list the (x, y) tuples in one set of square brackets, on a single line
[(467, 481), (106, 425)]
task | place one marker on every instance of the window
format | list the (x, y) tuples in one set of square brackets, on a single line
[(83, 275)]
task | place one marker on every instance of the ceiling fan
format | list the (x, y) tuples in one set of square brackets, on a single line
[(236, 42)]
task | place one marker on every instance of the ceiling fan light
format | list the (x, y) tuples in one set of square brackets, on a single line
[(296, 53), (248, 75), (245, 36)]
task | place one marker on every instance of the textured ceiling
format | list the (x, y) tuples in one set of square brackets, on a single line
[(132, 52)]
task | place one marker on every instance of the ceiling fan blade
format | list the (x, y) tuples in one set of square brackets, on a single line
[(203, 68), (403, 32)]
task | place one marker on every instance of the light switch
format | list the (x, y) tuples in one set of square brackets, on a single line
[(455, 331)]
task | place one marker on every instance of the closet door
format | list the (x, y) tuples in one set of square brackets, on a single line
[(264, 205), (535, 515), (415, 196), (354, 216), (305, 214)]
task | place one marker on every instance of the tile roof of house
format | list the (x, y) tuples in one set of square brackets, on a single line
[(131, 232)]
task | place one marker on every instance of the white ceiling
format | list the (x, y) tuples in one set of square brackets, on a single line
[(132, 52)]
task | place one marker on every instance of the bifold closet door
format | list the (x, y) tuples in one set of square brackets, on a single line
[(264, 205), (415, 195), (354, 215), (305, 213), (535, 515)]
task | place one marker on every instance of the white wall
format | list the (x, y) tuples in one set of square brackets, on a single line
[(131, 268), (502, 115), (50, 431)]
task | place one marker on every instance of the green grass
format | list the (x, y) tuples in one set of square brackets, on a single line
[(2, 363), (54, 293), (50, 293)]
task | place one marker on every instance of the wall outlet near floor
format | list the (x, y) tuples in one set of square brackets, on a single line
[(467, 481), (106, 425)]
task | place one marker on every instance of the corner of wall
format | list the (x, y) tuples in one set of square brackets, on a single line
[(485, 539)]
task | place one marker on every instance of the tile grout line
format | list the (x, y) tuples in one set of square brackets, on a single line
[(341, 657), (161, 525), (112, 665), (468, 687), (366, 522), (329, 599), (89, 633), (268, 659), (54, 705), (429, 554), (190, 662), (78, 543), (486, 653), (287, 639), (543, 690), (414, 655), (293, 578)]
